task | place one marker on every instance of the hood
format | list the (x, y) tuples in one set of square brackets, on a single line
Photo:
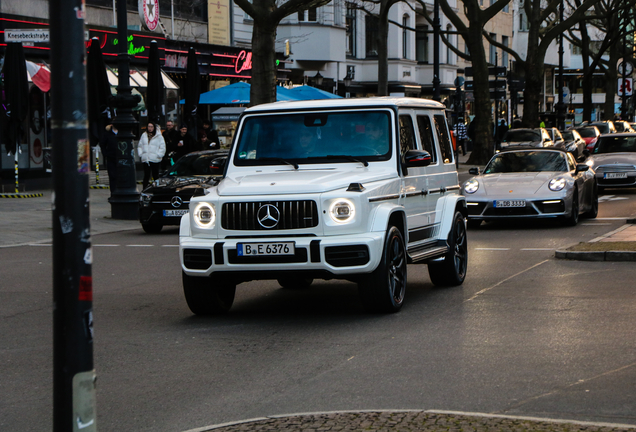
[(505, 182), (505, 144), (614, 158), (304, 180)]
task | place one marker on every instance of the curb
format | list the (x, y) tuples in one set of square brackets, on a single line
[(614, 256)]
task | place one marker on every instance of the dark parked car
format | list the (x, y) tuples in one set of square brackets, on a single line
[(614, 160), (605, 127), (590, 135), (537, 137), (574, 143), (623, 127), (556, 137), (167, 199)]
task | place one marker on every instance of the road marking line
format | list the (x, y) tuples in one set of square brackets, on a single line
[(505, 280), (613, 218), (140, 245), (169, 245), (597, 239), (37, 244), (106, 245), (596, 224), (493, 249), (537, 249)]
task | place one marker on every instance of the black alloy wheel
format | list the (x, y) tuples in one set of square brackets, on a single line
[(452, 270), (208, 296), (573, 219)]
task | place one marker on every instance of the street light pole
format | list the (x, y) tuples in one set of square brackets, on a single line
[(561, 104), (436, 29), (124, 196)]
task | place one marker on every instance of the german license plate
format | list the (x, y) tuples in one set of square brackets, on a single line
[(282, 248), (174, 212), (510, 203), (615, 175)]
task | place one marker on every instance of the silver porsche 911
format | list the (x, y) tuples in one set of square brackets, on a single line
[(531, 183), (614, 160)]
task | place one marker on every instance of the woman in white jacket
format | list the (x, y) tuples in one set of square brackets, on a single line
[(151, 149)]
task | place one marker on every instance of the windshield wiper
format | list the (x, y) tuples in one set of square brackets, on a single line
[(281, 160), (349, 158)]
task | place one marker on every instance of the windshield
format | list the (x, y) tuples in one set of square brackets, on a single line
[(612, 144), (526, 162), (314, 138), (518, 135), (603, 127), (568, 136), (587, 132), (194, 164)]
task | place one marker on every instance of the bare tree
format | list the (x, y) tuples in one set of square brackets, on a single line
[(543, 29), (267, 14)]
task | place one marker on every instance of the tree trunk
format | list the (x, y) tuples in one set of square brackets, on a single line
[(611, 84), (483, 143), (383, 51), (263, 86)]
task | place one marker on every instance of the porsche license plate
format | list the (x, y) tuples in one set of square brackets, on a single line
[(281, 248), (615, 175), (510, 203), (169, 213)]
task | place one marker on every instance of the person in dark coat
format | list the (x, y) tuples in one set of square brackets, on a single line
[(211, 140), (109, 145), (185, 143), (170, 136)]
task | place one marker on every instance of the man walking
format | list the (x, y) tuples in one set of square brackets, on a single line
[(461, 135)]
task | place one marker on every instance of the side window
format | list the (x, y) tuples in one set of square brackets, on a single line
[(407, 135), (571, 162), (426, 136), (444, 138)]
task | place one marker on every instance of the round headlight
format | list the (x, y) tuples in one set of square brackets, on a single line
[(557, 184), (204, 215), (589, 163), (342, 211), (471, 186), (144, 199)]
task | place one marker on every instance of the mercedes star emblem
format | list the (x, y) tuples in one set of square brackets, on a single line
[(268, 216), (176, 201)]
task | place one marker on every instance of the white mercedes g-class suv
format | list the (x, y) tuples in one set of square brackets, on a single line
[(350, 189)]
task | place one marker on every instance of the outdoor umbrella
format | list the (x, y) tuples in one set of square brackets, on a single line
[(155, 91), (98, 92), (310, 93), (238, 94), (16, 87), (192, 92)]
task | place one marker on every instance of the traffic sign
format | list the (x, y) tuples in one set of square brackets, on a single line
[(628, 86), (500, 84), (629, 67), (499, 71)]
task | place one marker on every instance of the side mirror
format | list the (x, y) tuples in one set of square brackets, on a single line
[(473, 171), (581, 168), (417, 158)]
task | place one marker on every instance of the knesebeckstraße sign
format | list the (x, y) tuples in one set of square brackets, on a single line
[(149, 13)]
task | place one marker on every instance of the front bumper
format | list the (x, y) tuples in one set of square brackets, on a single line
[(603, 181), (154, 215), (485, 209), (337, 256)]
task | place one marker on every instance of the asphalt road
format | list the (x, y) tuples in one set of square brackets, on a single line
[(525, 335)]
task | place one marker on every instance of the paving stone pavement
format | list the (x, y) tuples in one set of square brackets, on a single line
[(407, 421)]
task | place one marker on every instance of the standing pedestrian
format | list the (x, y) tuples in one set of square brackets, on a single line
[(109, 144), (461, 135), (212, 141), (185, 143), (170, 137), (151, 149)]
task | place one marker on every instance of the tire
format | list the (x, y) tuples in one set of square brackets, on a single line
[(152, 228), (295, 283), (593, 212), (206, 296), (473, 223), (601, 189), (573, 219), (452, 270), (384, 289)]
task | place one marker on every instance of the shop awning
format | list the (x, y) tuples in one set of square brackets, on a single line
[(227, 114)]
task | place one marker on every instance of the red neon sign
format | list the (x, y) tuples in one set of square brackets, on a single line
[(243, 62)]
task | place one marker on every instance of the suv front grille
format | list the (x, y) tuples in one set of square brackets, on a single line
[(288, 214)]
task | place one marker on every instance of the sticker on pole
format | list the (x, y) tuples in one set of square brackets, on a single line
[(83, 156), (84, 413)]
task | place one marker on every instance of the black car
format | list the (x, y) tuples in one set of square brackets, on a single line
[(574, 143), (167, 199)]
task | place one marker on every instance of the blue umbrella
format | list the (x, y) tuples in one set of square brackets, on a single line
[(311, 93), (237, 94)]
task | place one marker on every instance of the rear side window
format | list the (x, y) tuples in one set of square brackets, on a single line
[(407, 135), (426, 136), (444, 138)]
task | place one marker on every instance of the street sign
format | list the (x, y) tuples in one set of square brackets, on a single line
[(629, 68), (26, 35), (628, 86), (500, 84)]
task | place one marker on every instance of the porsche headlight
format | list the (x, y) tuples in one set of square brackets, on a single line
[(589, 163), (144, 199), (204, 215), (557, 184), (471, 186), (342, 211)]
